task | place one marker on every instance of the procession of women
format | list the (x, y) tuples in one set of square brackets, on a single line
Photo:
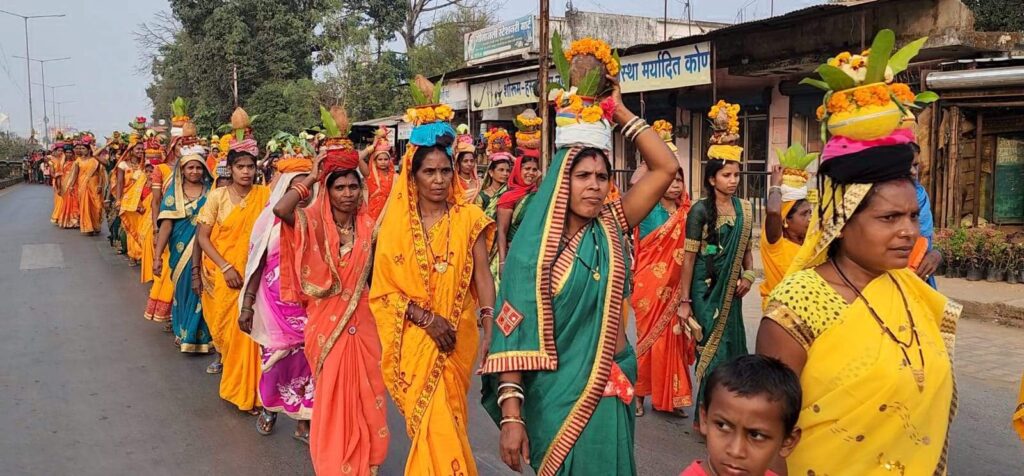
[(338, 276)]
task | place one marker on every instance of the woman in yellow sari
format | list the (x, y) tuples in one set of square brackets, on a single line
[(871, 341), (431, 281), (225, 223), (57, 168), (161, 293), (89, 176), (131, 179), (787, 214), (70, 213)]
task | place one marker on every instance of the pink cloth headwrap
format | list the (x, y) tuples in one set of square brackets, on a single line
[(838, 146), (246, 145)]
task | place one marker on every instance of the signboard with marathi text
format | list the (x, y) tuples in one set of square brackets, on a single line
[(455, 94), (504, 39), (679, 67), (511, 91)]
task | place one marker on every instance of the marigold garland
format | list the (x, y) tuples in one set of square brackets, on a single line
[(662, 126), (597, 48), (732, 109)]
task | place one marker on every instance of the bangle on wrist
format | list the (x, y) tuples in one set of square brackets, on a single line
[(749, 275), (775, 188), (226, 267), (511, 419), (639, 131)]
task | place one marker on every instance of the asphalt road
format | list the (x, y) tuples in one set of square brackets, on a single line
[(88, 387)]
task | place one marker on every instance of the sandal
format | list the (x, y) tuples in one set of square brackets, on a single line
[(265, 422), (167, 327), (679, 413), (303, 437), (639, 411), (215, 368)]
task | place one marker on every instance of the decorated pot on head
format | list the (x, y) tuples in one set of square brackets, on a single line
[(725, 132), (579, 117), (528, 133), (862, 102), (341, 154)]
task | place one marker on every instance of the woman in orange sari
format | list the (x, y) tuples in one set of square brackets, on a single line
[(89, 180), (465, 161), (70, 213), (664, 348), (332, 239), (131, 179), (379, 171), (57, 168), (225, 223), (431, 282)]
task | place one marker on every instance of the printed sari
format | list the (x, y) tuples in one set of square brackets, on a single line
[(776, 257), (90, 202), (187, 320), (861, 399), (559, 320), (664, 352), (349, 431), (717, 309), (429, 387), (286, 383), (131, 201), (232, 224)]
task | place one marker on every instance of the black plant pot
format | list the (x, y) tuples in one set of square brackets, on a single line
[(953, 272), (1013, 276), (974, 273), (1020, 278), (995, 275), (941, 270)]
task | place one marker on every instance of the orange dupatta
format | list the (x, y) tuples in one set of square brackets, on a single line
[(379, 187), (662, 355), (90, 203)]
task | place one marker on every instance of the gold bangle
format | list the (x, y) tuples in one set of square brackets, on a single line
[(634, 127), (511, 419), (630, 123)]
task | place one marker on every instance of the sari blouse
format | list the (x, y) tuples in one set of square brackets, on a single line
[(861, 396)]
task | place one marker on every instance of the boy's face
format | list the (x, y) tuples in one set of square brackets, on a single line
[(744, 435)]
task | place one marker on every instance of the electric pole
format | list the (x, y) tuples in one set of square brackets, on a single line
[(28, 69)]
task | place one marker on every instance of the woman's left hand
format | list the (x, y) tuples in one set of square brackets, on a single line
[(485, 349), (245, 320), (743, 287)]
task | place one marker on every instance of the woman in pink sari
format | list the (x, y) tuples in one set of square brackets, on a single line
[(286, 383)]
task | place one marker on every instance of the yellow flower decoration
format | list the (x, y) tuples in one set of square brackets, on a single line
[(591, 113), (410, 115), (444, 113), (425, 115), (662, 126), (597, 48), (902, 93), (529, 122), (575, 103), (733, 110)]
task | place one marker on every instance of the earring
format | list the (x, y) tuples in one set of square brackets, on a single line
[(785, 224)]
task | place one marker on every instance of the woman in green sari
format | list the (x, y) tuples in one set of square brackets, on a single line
[(177, 220), (717, 263), (494, 183), (522, 185), (559, 370)]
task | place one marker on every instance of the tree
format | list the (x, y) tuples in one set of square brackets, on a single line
[(997, 15), (288, 106), (13, 146), (370, 88), (413, 29), (443, 48)]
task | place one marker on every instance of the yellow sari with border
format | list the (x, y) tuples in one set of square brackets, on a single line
[(161, 294), (134, 183), (232, 224), (429, 388)]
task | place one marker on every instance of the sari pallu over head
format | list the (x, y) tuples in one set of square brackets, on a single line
[(517, 187), (403, 273), (186, 310), (559, 319)]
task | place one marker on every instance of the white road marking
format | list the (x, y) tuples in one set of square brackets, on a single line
[(41, 256)]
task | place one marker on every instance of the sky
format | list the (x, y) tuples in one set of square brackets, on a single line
[(109, 89)]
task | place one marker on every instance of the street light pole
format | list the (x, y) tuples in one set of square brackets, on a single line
[(28, 69), (42, 70)]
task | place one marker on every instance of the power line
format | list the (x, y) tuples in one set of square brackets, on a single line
[(7, 69)]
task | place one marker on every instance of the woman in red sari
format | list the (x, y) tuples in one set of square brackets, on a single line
[(325, 261), (379, 171)]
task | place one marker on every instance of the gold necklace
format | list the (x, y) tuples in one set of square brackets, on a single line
[(439, 265)]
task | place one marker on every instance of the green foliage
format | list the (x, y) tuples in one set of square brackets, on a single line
[(558, 56), (795, 157), (899, 61), (836, 79), (13, 146), (330, 125), (881, 49), (442, 49), (997, 15), (816, 83), (283, 106)]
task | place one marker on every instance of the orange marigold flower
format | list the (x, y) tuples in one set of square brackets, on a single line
[(902, 93), (820, 112), (592, 113)]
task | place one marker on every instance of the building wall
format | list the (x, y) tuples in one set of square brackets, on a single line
[(622, 31)]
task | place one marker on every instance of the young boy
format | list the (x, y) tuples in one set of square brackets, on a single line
[(749, 415)]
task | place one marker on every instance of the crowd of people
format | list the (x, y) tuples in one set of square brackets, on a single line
[(340, 281)]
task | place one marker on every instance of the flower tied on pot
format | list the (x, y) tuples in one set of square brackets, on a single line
[(861, 100), (664, 130), (429, 117), (464, 141), (725, 125), (341, 154), (584, 67), (154, 147), (528, 133)]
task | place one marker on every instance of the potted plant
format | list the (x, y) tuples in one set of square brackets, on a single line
[(956, 253), (996, 254), (975, 254), (940, 243), (1013, 262)]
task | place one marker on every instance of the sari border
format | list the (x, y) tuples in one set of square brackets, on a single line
[(549, 238), (577, 419), (947, 326), (427, 394), (353, 304), (711, 348), (785, 317), (644, 344)]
